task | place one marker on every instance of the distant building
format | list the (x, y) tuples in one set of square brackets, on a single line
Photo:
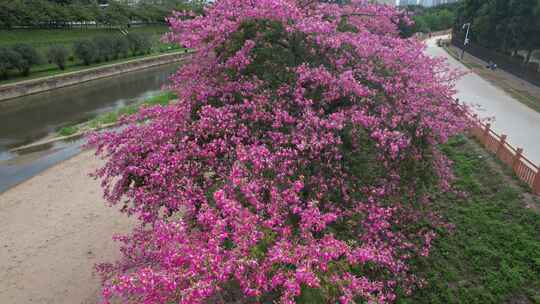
[(438, 2), (389, 2), (426, 3), (408, 2)]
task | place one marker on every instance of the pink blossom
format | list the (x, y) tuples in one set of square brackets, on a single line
[(294, 157)]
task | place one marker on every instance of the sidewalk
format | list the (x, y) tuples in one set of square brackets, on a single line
[(521, 90), (520, 122)]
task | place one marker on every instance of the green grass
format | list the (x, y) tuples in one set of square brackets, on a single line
[(456, 56), (530, 100), (493, 255), (47, 70), (67, 131), (43, 39), (112, 117)]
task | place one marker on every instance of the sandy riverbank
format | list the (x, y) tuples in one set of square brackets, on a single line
[(54, 228)]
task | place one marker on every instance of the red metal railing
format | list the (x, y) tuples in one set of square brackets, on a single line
[(497, 144)]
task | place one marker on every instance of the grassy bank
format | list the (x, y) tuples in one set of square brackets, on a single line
[(493, 255), (112, 117), (47, 70), (43, 39)]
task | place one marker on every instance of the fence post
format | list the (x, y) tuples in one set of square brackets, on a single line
[(536, 183), (476, 125), (501, 144), (486, 134), (517, 160)]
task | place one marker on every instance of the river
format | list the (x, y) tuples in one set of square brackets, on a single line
[(30, 118)]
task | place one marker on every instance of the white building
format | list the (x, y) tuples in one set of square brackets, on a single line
[(426, 3), (389, 2)]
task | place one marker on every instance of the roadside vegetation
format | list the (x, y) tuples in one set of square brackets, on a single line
[(492, 252), (432, 19), (509, 27)]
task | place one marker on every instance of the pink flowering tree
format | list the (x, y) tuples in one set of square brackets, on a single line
[(292, 168)]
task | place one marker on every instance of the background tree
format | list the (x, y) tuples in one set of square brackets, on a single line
[(58, 54), (120, 47), (117, 14), (511, 27), (104, 48), (28, 58), (11, 13), (51, 14), (86, 51), (139, 43), (8, 60)]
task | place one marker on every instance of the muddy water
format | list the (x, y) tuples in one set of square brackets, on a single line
[(30, 118)]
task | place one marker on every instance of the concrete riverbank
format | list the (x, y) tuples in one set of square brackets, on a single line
[(33, 86)]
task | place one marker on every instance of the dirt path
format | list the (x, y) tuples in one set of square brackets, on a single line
[(53, 229)]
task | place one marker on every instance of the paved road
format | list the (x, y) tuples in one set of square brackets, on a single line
[(520, 123)]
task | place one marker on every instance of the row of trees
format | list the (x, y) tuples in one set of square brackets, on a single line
[(107, 48), (69, 13), (432, 19), (435, 20), (507, 26), (429, 19), (23, 57)]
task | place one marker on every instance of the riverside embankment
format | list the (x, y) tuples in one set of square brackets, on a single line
[(55, 223), (23, 88), (32, 118)]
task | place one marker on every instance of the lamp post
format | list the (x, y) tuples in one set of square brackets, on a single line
[(466, 41)]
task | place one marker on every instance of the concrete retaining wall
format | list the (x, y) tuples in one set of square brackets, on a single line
[(18, 89)]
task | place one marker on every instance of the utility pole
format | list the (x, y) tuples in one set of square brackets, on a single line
[(466, 41)]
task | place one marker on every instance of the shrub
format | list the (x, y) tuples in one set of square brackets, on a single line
[(291, 167), (8, 60), (86, 51), (58, 54), (28, 58), (105, 48), (69, 130), (121, 47), (139, 43)]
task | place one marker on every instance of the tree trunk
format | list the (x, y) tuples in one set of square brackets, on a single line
[(505, 41), (529, 53)]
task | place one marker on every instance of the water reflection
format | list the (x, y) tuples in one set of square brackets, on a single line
[(30, 118)]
